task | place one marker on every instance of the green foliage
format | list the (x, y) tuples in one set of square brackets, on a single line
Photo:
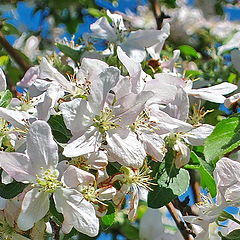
[(59, 129), (189, 52), (108, 220), (171, 181), (224, 139), (207, 180), (4, 60), (234, 235), (70, 52), (5, 98), (12, 189)]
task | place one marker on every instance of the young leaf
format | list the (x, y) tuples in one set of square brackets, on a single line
[(5, 98), (109, 218), (12, 189), (207, 180), (224, 139), (70, 52), (172, 182), (59, 129), (189, 51)]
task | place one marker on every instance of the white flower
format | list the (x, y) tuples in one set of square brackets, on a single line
[(39, 167), (133, 44), (227, 177), (96, 122)]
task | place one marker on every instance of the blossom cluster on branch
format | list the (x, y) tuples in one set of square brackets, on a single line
[(91, 128)]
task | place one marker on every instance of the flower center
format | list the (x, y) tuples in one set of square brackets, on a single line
[(48, 181), (89, 193), (106, 121), (139, 177)]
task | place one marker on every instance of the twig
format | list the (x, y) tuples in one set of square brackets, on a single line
[(195, 186), (14, 53), (185, 231), (156, 12), (55, 230)]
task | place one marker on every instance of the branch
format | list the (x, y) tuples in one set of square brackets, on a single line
[(156, 12), (55, 230), (14, 53), (195, 186), (185, 231)]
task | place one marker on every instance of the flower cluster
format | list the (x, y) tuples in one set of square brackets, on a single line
[(63, 136)]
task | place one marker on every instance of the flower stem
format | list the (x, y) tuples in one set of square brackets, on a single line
[(180, 224)]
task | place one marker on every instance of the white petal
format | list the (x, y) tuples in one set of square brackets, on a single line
[(130, 106), (77, 212), (139, 40), (29, 77), (197, 136), (89, 142), (153, 144), (214, 93), (124, 148), (48, 72), (18, 166), (179, 108), (3, 83), (77, 115), (102, 29), (47, 104), (227, 176), (156, 49), (74, 177), (166, 124), (41, 148), (106, 193), (163, 93), (16, 118), (35, 206), (132, 66), (134, 199), (100, 88)]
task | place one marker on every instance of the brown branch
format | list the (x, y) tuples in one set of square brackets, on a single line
[(55, 230), (156, 12), (14, 53), (195, 186), (185, 231)]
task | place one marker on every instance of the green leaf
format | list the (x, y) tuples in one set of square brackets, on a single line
[(225, 216), (224, 139), (108, 219), (9, 29), (59, 129), (12, 189), (189, 51), (207, 179), (70, 52), (193, 73), (130, 232), (4, 60), (5, 98), (172, 182), (234, 235)]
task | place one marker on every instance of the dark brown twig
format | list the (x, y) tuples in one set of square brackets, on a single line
[(195, 186), (55, 230), (185, 231), (156, 12), (14, 53)]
